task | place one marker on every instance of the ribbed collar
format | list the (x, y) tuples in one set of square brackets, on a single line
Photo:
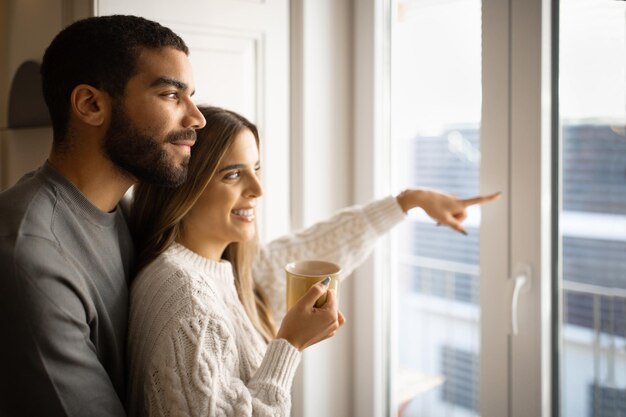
[(220, 270), (75, 198)]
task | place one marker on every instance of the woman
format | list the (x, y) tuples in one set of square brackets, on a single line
[(202, 336)]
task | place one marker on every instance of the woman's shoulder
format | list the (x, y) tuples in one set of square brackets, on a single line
[(170, 302), (163, 273), (170, 279)]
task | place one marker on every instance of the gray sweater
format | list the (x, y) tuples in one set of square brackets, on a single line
[(64, 267)]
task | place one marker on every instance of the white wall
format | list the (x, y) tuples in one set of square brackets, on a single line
[(321, 55)]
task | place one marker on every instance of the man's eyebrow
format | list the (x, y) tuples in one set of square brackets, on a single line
[(171, 81)]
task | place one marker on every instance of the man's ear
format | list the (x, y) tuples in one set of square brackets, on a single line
[(90, 105)]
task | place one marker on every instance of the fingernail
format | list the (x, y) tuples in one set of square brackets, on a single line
[(326, 281)]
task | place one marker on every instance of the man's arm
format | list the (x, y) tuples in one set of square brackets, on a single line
[(48, 363)]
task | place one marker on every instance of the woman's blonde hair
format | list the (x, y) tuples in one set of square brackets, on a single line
[(157, 212)]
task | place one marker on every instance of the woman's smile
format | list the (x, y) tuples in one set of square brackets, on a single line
[(244, 214)]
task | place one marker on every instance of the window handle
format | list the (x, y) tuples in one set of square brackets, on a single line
[(519, 283)]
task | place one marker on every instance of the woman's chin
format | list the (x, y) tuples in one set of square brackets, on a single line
[(245, 236)]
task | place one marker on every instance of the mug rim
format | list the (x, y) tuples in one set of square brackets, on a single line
[(336, 268)]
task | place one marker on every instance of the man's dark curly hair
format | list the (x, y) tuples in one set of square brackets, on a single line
[(101, 52)]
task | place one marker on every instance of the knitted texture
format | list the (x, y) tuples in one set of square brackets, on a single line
[(193, 351)]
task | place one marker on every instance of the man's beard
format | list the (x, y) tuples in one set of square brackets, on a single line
[(141, 155)]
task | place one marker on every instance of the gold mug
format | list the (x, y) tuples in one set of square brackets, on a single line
[(302, 275)]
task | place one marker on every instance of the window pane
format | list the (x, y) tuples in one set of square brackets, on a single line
[(593, 217), (435, 123)]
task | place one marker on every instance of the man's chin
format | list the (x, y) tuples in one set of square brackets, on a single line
[(170, 177), (174, 177)]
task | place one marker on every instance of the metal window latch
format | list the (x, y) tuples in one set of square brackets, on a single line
[(520, 282)]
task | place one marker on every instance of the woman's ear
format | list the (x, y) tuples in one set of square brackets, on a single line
[(90, 105)]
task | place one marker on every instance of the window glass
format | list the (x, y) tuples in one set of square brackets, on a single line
[(435, 124), (593, 219)]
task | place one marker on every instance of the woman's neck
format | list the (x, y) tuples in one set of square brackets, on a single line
[(203, 246)]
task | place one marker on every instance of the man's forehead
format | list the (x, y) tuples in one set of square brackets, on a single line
[(164, 63)]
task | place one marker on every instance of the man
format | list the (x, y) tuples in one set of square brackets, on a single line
[(118, 89)]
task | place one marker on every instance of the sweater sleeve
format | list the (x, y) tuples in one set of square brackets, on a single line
[(195, 372), (48, 363), (347, 238)]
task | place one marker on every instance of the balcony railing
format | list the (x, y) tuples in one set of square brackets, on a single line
[(594, 331)]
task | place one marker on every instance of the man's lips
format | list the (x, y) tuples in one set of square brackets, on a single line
[(183, 137), (189, 142)]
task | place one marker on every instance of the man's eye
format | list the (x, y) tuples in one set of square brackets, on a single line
[(172, 94)]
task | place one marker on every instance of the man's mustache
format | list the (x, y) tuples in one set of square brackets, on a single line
[(188, 134)]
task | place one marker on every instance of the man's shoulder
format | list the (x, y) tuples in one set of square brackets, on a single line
[(29, 204)]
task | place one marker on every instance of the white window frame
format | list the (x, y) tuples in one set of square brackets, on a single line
[(371, 314)]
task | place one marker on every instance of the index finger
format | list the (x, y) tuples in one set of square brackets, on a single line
[(481, 199), (331, 300), (313, 294)]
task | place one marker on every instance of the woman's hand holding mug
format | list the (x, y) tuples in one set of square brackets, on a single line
[(304, 324)]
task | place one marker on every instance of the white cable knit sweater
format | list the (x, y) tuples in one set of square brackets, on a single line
[(192, 349)]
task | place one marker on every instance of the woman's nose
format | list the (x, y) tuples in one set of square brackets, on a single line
[(255, 188)]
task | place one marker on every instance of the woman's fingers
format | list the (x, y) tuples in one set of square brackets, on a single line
[(449, 210), (455, 224), (304, 324), (331, 306), (331, 300), (341, 319), (315, 292), (460, 216), (454, 220), (480, 199), (334, 326)]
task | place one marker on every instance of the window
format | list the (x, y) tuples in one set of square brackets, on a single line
[(606, 401), (435, 142), (461, 378), (593, 216), (478, 96)]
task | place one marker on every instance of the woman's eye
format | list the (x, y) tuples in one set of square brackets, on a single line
[(232, 175)]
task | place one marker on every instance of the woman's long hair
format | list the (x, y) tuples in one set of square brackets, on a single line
[(157, 212)]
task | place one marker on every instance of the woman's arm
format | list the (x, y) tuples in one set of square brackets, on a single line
[(347, 238)]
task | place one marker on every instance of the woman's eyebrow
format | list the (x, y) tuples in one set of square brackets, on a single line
[(237, 166), (233, 166)]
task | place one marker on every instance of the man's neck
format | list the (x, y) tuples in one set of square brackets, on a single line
[(100, 181)]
